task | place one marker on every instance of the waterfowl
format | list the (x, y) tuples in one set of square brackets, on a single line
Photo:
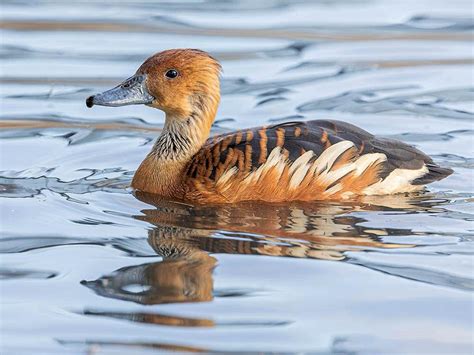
[(311, 160)]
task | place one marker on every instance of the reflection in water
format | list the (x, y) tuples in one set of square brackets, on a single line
[(154, 318), (179, 321), (65, 170), (186, 237), (184, 275), (13, 274), (110, 346)]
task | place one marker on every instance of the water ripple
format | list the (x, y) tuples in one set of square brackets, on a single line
[(266, 272), (368, 101), (13, 274)]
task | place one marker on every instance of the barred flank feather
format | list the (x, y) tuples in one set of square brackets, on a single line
[(303, 161)]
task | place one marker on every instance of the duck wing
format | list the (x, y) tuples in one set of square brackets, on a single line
[(299, 151)]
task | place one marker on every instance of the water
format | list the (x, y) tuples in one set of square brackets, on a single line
[(87, 267)]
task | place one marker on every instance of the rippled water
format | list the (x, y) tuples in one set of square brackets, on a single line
[(86, 266)]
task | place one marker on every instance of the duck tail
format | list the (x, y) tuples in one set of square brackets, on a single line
[(435, 173)]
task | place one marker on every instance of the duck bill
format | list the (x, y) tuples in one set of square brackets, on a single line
[(132, 91)]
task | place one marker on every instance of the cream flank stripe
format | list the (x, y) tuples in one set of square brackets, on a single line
[(399, 180)]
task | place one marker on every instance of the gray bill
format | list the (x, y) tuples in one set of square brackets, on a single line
[(132, 91)]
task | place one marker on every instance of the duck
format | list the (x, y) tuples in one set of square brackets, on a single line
[(312, 160)]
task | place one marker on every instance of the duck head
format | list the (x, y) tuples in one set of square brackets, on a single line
[(184, 83)]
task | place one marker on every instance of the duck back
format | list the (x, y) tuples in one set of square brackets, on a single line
[(312, 160)]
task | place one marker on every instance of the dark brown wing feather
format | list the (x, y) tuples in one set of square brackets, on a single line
[(248, 149)]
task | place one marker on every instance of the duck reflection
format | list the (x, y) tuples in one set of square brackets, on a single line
[(184, 274), (186, 237)]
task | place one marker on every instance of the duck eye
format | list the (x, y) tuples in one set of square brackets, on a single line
[(171, 74)]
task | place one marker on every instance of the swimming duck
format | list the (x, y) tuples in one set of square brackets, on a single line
[(311, 160)]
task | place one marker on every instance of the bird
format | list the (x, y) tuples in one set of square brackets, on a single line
[(314, 160)]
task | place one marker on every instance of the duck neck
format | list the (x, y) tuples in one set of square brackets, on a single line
[(162, 171), (181, 138)]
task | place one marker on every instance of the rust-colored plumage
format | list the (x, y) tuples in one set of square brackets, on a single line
[(280, 165), (313, 160)]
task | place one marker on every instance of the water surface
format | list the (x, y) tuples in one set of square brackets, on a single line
[(87, 266)]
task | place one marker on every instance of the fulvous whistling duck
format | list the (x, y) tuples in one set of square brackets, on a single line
[(312, 160)]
